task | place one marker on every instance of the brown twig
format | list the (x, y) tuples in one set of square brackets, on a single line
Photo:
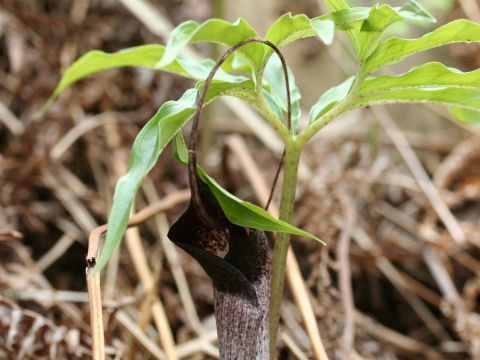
[(394, 276), (275, 179), (345, 281), (395, 338), (140, 217), (96, 316), (93, 283), (420, 174), (173, 260)]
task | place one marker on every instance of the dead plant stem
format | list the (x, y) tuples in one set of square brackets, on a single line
[(345, 281)]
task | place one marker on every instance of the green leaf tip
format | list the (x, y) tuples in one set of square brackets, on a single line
[(146, 149), (216, 31), (395, 49), (288, 28), (142, 56), (414, 11)]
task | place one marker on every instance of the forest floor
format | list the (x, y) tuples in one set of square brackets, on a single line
[(411, 242)]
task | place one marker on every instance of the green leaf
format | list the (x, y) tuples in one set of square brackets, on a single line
[(245, 214), (244, 89), (413, 11), (347, 19), (465, 115), (383, 16), (148, 145), (427, 75), (146, 56), (288, 28), (216, 31), (198, 70), (325, 29), (146, 149), (394, 50), (239, 212), (273, 104), (94, 61), (273, 77), (179, 38), (235, 64), (330, 98), (366, 25), (459, 97), (379, 19)]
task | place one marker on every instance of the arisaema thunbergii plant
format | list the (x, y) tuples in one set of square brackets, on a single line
[(254, 74)]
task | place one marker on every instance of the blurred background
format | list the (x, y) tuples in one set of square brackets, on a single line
[(415, 285)]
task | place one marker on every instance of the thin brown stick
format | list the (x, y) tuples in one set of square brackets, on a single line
[(345, 281), (139, 335), (56, 251), (173, 260), (96, 317), (10, 121), (93, 283), (395, 338), (392, 274), (275, 179), (143, 215), (420, 174)]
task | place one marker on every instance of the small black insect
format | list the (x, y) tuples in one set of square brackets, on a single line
[(91, 262)]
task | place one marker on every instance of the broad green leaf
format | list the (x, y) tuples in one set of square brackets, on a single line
[(379, 19), (288, 28), (216, 31), (239, 212), (200, 69), (179, 38), (394, 50), (413, 11), (347, 19), (372, 21), (244, 89), (236, 64), (466, 115), (338, 5), (330, 98), (273, 77), (93, 61), (146, 149), (459, 97), (325, 29), (145, 55), (245, 214), (383, 16), (273, 104), (428, 75)]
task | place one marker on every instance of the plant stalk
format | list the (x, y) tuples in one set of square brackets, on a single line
[(341, 107), (282, 241)]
